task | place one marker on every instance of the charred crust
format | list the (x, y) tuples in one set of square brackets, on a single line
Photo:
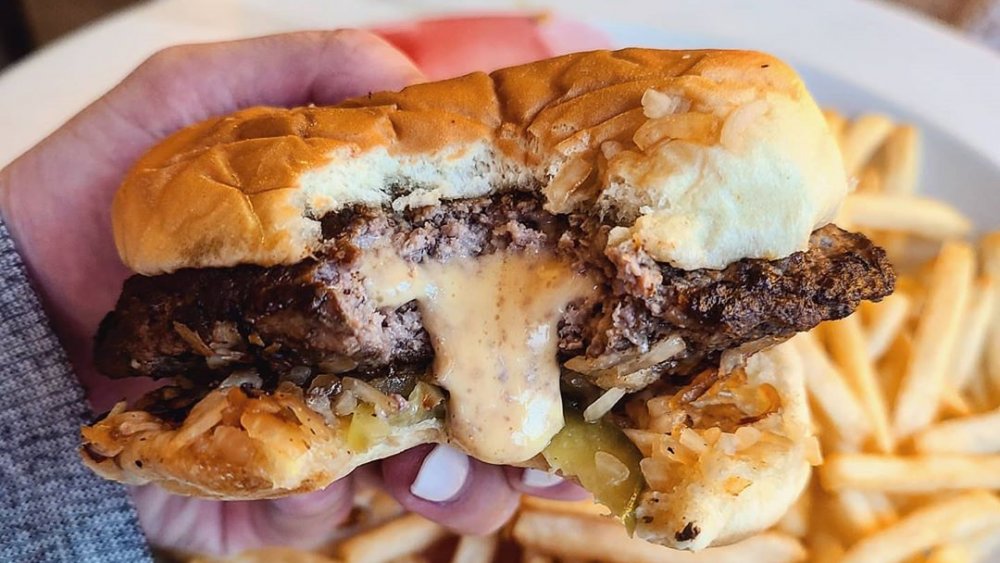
[(689, 533)]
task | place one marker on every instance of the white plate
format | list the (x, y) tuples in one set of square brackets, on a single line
[(854, 54)]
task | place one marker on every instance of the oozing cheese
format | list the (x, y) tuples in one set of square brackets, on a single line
[(493, 324)]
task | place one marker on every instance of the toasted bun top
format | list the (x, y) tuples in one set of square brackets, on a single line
[(701, 157)]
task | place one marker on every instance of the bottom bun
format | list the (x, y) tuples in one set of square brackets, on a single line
[(723, 457), (733, 460)]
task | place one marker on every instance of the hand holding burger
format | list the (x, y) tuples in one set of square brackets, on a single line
[(582, 265)]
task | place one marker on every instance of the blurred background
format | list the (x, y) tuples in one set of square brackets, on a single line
[(26, 25)]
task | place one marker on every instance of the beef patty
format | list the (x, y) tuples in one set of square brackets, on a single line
[(203, 324)]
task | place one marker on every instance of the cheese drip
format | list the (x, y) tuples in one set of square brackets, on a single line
[(493, 323)]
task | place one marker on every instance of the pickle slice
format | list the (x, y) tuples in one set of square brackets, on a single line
[(367, 428), (603, 460)]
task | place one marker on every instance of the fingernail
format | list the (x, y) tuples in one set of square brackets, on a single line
[(540, 479), (441, 475)]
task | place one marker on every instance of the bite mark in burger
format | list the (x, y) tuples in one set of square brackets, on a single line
[(580, 264)]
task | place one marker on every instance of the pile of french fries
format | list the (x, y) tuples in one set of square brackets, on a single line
[(905, 396), (906, 392)]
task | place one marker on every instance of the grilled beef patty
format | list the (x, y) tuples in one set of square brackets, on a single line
[(202, 324)]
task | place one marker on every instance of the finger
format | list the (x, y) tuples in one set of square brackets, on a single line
[(543, 484), (445, 485), (185, 84), (449, 47), (304, 521)]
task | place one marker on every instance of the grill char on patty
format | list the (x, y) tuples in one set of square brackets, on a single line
[(202, 324)]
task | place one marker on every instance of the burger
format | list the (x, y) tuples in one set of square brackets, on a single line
[(585, 264)]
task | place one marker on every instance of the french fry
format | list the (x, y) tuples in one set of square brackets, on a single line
[(869, 180), (837, 123), (586, 507), (901, 152), (795, 522), (916, 215), (403, 536), (862, 138), (910, 474), (882, 506), (899, 178), (830, 392), (532, 556), (934, 343), (953, 404), (887, 319), (475, 549), (824, 547), (928, 527), (855, 515), (979, 393), (974, 332), (574, 536), (950, 553), (990, 248), (847, 346), (894, 364), (970, 435)]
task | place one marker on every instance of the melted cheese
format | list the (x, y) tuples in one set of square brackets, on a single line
[(493, 324)]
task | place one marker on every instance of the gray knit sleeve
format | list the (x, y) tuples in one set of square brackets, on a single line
[(52, 508)]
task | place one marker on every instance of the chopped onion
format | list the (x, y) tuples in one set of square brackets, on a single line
[(365, 392), (611, 468), (324, 385), (563, 191), (746, 436), (603, 404), (193, 339), (345, 403), (692, 441), (737, 357), (739, 121), (728, 443), (298, 375), (712, 435), (610, 149), (337, 364), (618, 365), (656, 104), (225, 335), (243, 377)]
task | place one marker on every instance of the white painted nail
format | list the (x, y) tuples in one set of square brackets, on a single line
[(540, 479), (442, 474)]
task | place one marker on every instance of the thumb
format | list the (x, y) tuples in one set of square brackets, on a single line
[(185, 84), (227, 527)]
